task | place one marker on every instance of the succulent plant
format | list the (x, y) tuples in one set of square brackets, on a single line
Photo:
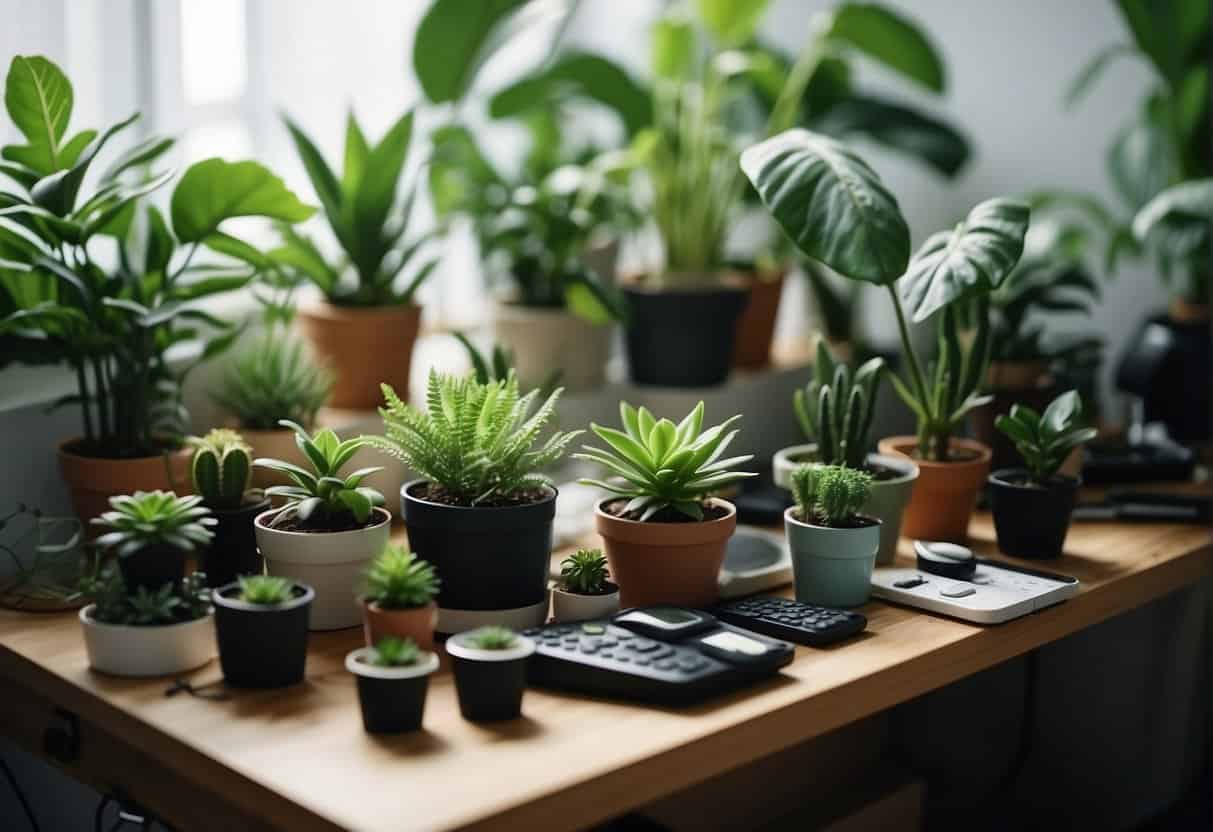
[(170, 604), (266, 590), (1045, 440), (148, 518), (492, 638), (273, 379), (584, 572), (836, 408), (395, 652), (831, 495), (221, 468), (398, 579)]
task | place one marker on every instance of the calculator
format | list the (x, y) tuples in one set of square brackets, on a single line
[(663, 655)]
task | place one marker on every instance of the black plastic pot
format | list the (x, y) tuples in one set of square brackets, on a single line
[(262, 646), (682, 338), (487, 558), (1031, 521), (490, 683), (1169, 364), (392, 698), (152, 567), (233, 551)]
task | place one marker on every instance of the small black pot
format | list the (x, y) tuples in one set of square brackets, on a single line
[(683, 338), (1031, 521), (233, 551), (490, 683), (1168, 363), (262, 646), (152, 567), (392, 698), (487, 558)]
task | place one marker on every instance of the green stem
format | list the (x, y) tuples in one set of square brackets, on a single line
[(783, 113), (916, 374), (103, 397), (85, 409)]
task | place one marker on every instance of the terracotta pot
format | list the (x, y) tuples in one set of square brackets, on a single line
[(1185, 312), (364, 346), (543, 340), (93, 480), (666, 563), (756, 327), (416, 623), (944, 495)]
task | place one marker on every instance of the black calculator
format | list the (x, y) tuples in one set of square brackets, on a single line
[(665, 655), (792, 620)]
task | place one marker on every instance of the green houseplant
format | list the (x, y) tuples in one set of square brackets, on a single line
[(116, 320), (261, 625), (833, 544), (393, 678), (328, 529), (833, 206), (584, 590), (1032, 505), (220, 472), (482, 509), (151, 532), (665, 536), (399, 598), (490, 672)]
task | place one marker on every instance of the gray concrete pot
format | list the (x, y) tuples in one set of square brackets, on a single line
[(831, 567)]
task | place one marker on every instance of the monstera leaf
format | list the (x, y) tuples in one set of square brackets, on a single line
[(1183, 204), (974, 256), (831, 204)]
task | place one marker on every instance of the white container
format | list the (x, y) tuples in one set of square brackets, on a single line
[(123, 650), (569, 606), (543, 340), (331, 563)]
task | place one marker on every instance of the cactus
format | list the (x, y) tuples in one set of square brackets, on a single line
[(836, 408), (221, 468), (830, 495)]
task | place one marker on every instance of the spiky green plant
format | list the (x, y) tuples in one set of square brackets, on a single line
[(475, 440), (1045, 440), (274, 379), (584, 572), (835, 409), (398, 579), (170, 604), (395, 652), (221, 468), (492, 638), (149, 518), (830, 495), (266, 590), (664, 465)]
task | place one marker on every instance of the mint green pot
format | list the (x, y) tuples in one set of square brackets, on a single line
[(832, 567)]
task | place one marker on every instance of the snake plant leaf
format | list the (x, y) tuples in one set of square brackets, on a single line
[(214, 190), (886, 36), (831, 204), (673, 46), (973, 257)]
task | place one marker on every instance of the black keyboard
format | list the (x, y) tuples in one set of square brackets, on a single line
[(792, 620)]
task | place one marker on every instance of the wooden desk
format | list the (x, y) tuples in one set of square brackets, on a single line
[(299, 758)]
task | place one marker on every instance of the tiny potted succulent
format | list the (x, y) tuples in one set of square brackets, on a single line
[(482, 512), (584, 591), (329, 529), (665, 536), (151, 532), (146, 632), (261, 622), (833, 545), (399, 598), (1032, 505), (393, 678), (490, 672), (835, 411), (220, 472)]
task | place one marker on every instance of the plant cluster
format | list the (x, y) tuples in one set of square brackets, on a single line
[(272, 380), (663, 466), (265, 590), (221, 468), (397, 579), (188, 601), (1045, 440), (394, 652), (584, 572), (836, 408), (321, 498), (830, 495), (155, 518), (475, 440), (492, 638)]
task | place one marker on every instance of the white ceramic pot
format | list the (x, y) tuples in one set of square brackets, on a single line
[(543, 340), (123, 650), (331, 563), (569, 606)]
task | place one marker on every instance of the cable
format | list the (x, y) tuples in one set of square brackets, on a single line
[(12, 781)]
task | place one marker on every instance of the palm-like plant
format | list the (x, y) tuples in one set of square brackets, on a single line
[(149, 518), (475, 441), (663, 465)]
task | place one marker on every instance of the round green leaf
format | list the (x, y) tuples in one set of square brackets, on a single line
[(38, 98), (213, 190), (452, 41), (891, 39)]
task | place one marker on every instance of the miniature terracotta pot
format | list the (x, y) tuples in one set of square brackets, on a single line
[(91, 481), (416, 623), (943, 498), (543, 340), (666, 563), (364, 346), (756, 327)]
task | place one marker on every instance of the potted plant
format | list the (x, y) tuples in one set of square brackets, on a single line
[(114, 319), (584, 591), (393, 678), (836, 210), (481, 511), (144, 632), (833, 545), (835, 411), (1032, 505), (329, 529), (490, 672), (399, 598), (365, 327), (220, 474), (665, 536), (261, 622), (151, 532)]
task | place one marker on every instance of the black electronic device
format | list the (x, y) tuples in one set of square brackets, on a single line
[(665, 655), (947, 560), (1147, 507), (1154, 460), (791, 620)]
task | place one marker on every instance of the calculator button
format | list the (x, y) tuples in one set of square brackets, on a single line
[(690, 665), (622, 636), (663, 653), (589, 648), (531, 631), (623, 658), (956, 591), (644, 645), (593, 629), (643, 660), (609, 642), (665, 664)]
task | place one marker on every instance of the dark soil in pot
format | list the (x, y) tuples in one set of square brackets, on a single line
[(262, 646), (152, 567), (1030, 520), (233, 551), (682, 338)]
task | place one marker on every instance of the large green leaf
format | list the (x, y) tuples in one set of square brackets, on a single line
[(377, 193), (672, 46), (38, 98), (732, 21), (356, 152), (328, 189), (458, 170), (452, 41), (1140, 162), (886, 36), (213, 190), (973, 257), (831, 204), (935, 142), (1166, 31), (1094, 67), (1189, 203), (57, 192)]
